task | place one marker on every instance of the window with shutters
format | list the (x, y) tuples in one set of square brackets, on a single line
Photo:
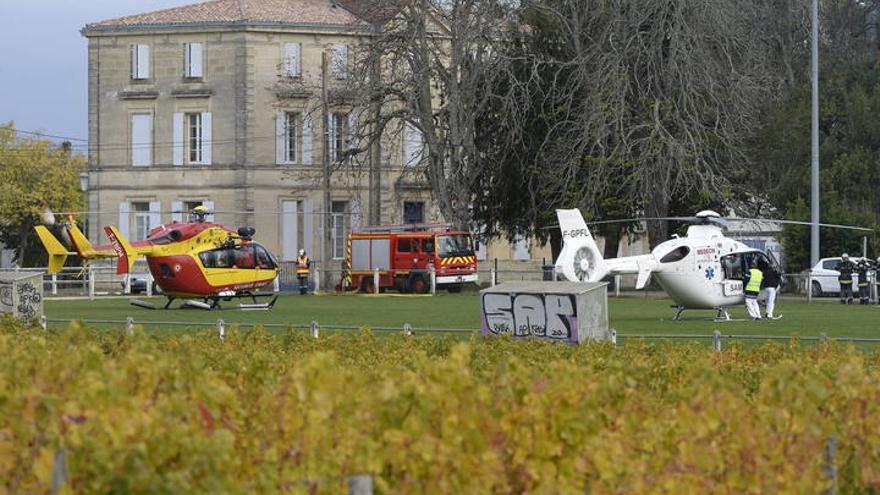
[(141, 139), (413, 212), (338, 217), (140, 211), (291, 65), (193, 122), (339, 135), (193, 60), (139, 58), (339, 61), (291, 135)]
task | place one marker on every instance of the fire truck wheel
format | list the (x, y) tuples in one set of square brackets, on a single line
[(454, 288), (418, 285)]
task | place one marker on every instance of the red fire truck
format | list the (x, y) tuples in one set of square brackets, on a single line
[(404, 257)]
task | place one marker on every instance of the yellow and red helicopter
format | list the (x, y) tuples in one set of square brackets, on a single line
[(196, 260)]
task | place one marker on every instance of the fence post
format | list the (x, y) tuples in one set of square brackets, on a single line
[(361, 484), (149, 287), (407, 329), (313, 327), (613, 336), (276, 284), (617, 286), (91, 283), (44, 322), (830, 466), (54, 284), (127, 287), (318, 278), (823, 337), (129, 325), (221, 328), (432, 273), (376, 280), (59, 470), (716, 340), (492, 281)]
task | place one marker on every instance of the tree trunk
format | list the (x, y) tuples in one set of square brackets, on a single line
[(657, 206), (23, 232), (612, 241), (555, 243)]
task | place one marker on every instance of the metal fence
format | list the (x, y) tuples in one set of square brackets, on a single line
[(100, 279)]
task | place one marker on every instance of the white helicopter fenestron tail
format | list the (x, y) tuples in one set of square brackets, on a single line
[(581, 260)]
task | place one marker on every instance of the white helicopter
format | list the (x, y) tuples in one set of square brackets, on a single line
[(703, 270)]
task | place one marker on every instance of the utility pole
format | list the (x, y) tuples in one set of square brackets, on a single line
[(814, 189), (326, 217)]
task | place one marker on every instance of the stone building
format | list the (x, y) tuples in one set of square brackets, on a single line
[(222, 103)]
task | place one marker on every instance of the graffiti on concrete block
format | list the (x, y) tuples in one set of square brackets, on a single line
[(29, 299), (552, 316), (6, 303)]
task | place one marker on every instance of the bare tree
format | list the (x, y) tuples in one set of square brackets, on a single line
[(425, 72)]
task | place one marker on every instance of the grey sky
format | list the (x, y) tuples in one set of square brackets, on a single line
[(43, 60)]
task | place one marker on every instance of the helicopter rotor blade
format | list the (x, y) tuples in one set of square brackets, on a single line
[(796, 222)]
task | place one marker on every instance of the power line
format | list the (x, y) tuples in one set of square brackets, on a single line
[(43, 134)]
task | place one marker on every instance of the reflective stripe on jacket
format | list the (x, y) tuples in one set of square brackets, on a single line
[(755, 278), (302, 265)]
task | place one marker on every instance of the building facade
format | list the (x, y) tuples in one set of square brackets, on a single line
[(245, 107)]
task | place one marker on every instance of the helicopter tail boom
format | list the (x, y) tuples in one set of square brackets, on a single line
[(124, 250), (57, 253), (580, 259)]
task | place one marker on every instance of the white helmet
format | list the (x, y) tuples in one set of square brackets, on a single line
[(302, 252), (844, 256)]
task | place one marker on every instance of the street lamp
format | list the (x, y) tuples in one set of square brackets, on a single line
[(84, 187)]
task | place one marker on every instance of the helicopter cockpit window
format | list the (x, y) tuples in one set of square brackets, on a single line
[(676, 254), (264, 260), (236, 257)]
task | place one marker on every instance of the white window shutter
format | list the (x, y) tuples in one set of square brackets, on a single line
[(306, 138), (206, 138), (308, 223), (124, 216), (331, 141), (209, 205), (280, 138), (292, 57), (289, 229), (132, 61), (155, 215), (521, 248), (143, 61), (177, 211), (177, 140), (141, 139), (339, 68), (193, 59), (412, 144), (352, 130)]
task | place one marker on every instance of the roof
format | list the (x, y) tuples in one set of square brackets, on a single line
[(252, 12)]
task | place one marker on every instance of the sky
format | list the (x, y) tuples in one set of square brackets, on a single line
[(44, 60)]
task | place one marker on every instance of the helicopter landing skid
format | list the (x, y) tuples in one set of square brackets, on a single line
[(213, 302), (721, 314)]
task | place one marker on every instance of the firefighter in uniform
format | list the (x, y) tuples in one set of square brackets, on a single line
[(862, 271), (753, 287), (302, 271), (846, 268)]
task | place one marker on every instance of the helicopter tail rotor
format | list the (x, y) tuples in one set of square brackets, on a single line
[(580, 259)]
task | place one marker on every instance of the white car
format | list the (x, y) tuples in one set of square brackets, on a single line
[(824, 276)]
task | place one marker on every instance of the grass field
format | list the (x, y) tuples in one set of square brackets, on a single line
[(629, 315)]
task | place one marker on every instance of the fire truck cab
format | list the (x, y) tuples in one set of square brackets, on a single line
[(406, 256)]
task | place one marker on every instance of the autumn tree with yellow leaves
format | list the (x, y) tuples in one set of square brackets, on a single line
[(36, 174)]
